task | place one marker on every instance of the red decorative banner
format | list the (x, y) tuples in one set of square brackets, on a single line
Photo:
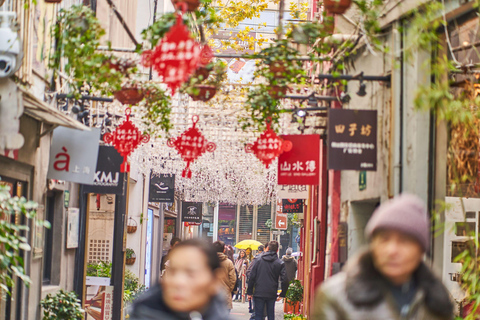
[(191, 144), (125, 139), (300, 165), (268, 146)]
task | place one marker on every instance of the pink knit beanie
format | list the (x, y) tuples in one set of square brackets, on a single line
[(405, 213)]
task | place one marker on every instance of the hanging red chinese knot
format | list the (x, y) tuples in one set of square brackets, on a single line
[(125, 139), (268, 146), (191, 144), (176, 56)]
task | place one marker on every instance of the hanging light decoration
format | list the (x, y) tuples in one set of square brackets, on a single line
[(268, 146), (125, 139), (191, 144)]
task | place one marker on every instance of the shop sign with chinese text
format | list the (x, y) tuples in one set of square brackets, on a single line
[(73, 155), (281, 218), (292, 192), (300, 165), (352, 139), (292, 205), (192, 212), (162, 188), (108, 176)]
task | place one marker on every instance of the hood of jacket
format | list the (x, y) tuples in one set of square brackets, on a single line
[(287, 259), (366, 287), (150, 306), (269, 256), (222, 256)]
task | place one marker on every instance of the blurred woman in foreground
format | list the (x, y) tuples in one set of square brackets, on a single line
[(190, 288)]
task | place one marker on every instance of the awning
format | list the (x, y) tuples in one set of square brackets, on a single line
[(41, 111)]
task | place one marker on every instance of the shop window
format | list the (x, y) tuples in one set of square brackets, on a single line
[(48, 244), (245, 223), (98, 250), (263, 232)]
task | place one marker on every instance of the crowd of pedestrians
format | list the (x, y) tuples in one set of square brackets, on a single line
[(387, 280)]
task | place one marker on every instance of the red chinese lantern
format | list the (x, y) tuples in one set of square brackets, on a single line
[(268, 146), (175, 57), (125, 139), (206, 55), (191, 144)]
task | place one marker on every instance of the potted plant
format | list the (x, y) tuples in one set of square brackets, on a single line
[(84, 63), (262, 107), (130, 256), (192, 5), (308, 32), (157, 109), (204, 89), (337, 6), (293, 297), (129, 94), (131, 225), (62, 306), (279, 62)]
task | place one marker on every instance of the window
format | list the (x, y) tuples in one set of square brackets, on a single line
[(245, 223), (48, 245), (263, 232)]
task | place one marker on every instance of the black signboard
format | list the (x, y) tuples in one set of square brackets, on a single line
[(162, 188), (192, 212), (292, 205), (352, 139), (108, 178)]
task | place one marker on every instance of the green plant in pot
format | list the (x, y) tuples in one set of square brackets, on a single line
[(280, 64), (203, 87), (77, 35), (309, 32), (294, 293), (262, 107), (62, 306), (130, 256), (157, 109)]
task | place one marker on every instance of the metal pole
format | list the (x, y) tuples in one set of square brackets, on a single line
[(118, 259)]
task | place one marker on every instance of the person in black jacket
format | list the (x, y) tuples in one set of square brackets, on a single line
[(190, 288), (263, 282)]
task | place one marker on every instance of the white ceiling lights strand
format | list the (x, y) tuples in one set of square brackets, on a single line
[(226, 175)]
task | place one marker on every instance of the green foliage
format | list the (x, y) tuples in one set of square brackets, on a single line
[(158, 110), (291, 316), (77, 34), (294, 292), (217, 74), (12, 239), (131, 286), (129, 253), (62, 306)]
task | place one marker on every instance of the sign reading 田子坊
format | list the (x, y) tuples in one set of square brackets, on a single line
[(300, 165), (352, 139)]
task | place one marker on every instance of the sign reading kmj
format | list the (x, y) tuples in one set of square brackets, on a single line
[(108, 175), (352, 139), (73, 155), (300, 166)]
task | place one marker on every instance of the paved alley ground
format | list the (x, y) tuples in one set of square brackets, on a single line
[(240, 311)]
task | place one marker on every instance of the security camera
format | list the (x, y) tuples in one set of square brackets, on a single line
[(11, 52)]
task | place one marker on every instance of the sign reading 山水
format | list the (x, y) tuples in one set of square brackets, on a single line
[(352, 139)]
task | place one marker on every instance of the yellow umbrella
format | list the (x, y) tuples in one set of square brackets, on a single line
[(252, 244)]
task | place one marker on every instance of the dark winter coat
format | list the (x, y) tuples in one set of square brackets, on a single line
[(264, 277), (290, 268), (150, 306), (359, 292)]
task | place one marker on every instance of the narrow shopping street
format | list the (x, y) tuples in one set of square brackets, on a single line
[(159, 156)]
